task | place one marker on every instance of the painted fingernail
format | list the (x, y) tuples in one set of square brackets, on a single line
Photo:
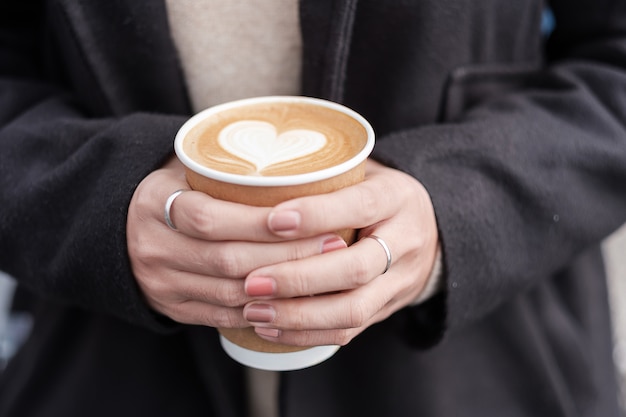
[(333, 243), (284, 221), (266, 332), (260, 286), (259, 313)]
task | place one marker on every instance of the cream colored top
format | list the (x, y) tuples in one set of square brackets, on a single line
[(232, 49)]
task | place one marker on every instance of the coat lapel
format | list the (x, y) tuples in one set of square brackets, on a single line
[(127, 49), (326, 34)]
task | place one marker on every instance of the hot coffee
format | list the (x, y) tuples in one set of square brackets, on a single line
[(275, 139), (264, 151)]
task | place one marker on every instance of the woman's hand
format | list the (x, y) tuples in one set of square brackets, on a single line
[(332, 297), (196, 274)]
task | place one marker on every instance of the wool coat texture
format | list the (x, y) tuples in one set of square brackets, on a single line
[(519, 137)]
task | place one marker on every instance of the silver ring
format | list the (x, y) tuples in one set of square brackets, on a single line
[(168, 207), (386, 249)]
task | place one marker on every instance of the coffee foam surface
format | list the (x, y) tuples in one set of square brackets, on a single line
[(259, 143), (274, 139)]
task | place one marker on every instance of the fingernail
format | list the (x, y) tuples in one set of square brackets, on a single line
[(259, 313), (333, 243), (284, 221), (264, 331), (260, 286)]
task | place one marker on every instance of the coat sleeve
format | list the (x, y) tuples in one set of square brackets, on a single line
[(66, 180), (525, 181)]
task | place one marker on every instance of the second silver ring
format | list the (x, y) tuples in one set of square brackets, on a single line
[(385, 248), (168, 207)]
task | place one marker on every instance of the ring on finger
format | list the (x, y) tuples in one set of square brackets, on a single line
[(168, 207), (385, 248)]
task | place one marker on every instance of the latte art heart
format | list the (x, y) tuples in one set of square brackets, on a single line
[(259, 143)]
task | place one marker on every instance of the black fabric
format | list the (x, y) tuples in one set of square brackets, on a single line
[(537, 355), (523, 150), (72, 366)]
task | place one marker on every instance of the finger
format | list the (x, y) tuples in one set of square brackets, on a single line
[(338, 270), (229, 259), (173, 287), (355, 207), (352, 207), (194, 213), (187, 279), (202, 314), (328, 319), (198, 215), (194, 299), (307, 338), (238, 259), (320, 320)]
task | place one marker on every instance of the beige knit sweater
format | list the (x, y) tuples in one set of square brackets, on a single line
[(232, 49)]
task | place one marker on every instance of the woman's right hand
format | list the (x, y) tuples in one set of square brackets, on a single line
[(195, 275)]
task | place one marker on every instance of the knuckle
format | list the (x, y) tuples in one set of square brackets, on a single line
[(358, 313), (359, 270), (155, 288), (344, 336), (219, 293), (203, 219), (227, 261), (298, 283), (144, 251), (230, 294), (177, 314), (196, 293), (297, 320), (226, 318), (301, 251), (142, 198), (369, 202)]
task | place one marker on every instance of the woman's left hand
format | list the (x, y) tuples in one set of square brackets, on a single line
[(331, 298)]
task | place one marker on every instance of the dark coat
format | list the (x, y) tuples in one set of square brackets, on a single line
[(522, 148)]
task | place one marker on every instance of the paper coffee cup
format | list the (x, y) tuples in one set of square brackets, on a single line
[(266, 150)]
